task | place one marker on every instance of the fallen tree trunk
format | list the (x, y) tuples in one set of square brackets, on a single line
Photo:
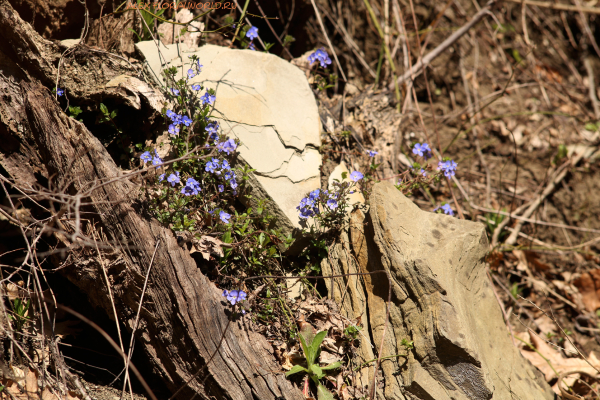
[(183, 316)]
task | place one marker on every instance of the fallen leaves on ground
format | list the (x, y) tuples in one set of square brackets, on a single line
[(23, 385)]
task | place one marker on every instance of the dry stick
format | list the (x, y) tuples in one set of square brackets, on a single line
[(587, 29), (416, 70), (562, 376), (135, 323), (113, 344), (559, 176), (112, 303), (328, 41), (558, 6), (587, 62)]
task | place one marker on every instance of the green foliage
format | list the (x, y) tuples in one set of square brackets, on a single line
[(408, 344), (325, 83), (311, 347), (515, 291), (153, 8), (492, 220), (19, 315), (561, 153), (592, 126), (74, 112), (352, 332)]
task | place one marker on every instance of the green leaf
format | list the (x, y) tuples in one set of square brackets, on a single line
[(344, 175), (316, 371), (295, 369), (323, 393), (591, 127), (103, 109), (334, 365), (315, 346), (304, 347)]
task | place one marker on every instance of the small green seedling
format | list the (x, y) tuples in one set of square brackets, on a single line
[(19, 318), (311, 346)]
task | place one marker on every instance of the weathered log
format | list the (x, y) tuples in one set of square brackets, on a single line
[(183, 315)]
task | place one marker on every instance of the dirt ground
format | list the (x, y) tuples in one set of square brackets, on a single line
[(514, 102)]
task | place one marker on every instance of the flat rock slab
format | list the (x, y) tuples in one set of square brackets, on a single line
[(267, 103)]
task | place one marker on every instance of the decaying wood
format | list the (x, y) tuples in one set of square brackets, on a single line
[(184, 315)]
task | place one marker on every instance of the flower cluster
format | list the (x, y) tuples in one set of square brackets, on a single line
[(234, 296), (191, 188), (223, 170), (321, 56), (252, 34), (151, 157), (326, 201), (448, 168), (177, 119)]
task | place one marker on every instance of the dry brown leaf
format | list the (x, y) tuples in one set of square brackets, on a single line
[(206, 246), (550, 355), (29, 381), (589, 287)]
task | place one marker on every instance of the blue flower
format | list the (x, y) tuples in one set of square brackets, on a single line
[(225, 165), (175, 91), (221, 188), (211, 129), (314, 195), (227, 146), (211, 167), (251, 46), (372, 153), (445, 208), (423, 172), (224, 217), (235, 296), (252, 33), (186, 121), (422, 150), (321, 56), (161, 177), (199, 66), (170, 114), (208, 98), (191, 73), (156, 160), (448, 167), (233, 183), (196, 87), (332, 204), (356, 176), (173, 178), (173, 129), (146, 157), (59, 92)]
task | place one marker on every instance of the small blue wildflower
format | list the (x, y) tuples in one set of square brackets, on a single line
[(448, 167), (356, 176), (224, 217), (225, 165), (60, 92), (199, 66), (186, 121), (175, 91), (156, 160), (251, 46), (423, 172), (321, 56), (252, 33), (372, 153), (314, 195), (208, 98), (173, 178), (173, 129), (233, 183), (196, 87), (161, 177), (221, 188), (146, 157), (191, 73), (332, 204), (171, 114), (211, 129), (445, 208), (422, 150), (211, 167), (235, 296)]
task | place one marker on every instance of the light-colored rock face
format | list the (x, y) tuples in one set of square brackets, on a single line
[(441, 300), (265, 102), (337, 173)]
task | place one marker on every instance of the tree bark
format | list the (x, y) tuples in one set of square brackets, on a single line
[(183, 315)]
